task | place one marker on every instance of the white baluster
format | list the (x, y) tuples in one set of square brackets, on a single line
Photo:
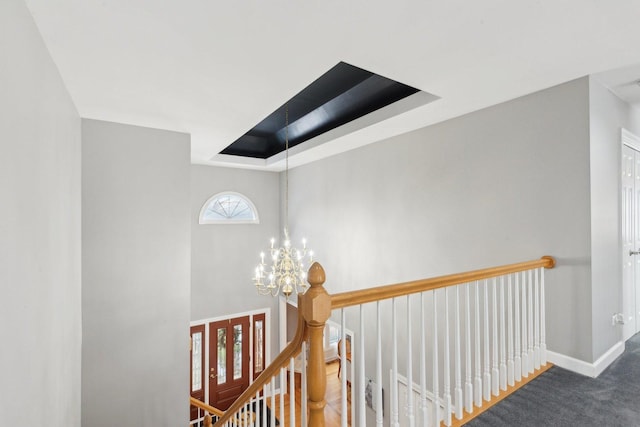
[(436, 393), (283, 388), (262, 406), (495, 372), (447, 361), (477, 386), (303, 394), (486, 381), (468, 386), (543, 344), (273, 402), (257, 406), (457, 391), (352, 379), (530, 322), (423, 363), (343, 369), (517, 361), (292, 392), (361, 376), (410, 413), (379, 417), (536, 332), (394, 365), (525, 353), (503, 352), (510, 367)]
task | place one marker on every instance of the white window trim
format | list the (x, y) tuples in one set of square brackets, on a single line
[(203, 209)]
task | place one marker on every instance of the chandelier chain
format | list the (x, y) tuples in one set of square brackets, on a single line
[(286, 171), (287, 273)]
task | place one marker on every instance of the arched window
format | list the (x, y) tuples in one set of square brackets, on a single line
[(229, 208)]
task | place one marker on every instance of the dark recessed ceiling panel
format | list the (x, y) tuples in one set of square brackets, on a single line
[(342, 94)]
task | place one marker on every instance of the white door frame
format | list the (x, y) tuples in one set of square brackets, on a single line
[(631, 323)]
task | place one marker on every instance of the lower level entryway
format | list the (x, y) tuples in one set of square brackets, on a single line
[(226, 355)]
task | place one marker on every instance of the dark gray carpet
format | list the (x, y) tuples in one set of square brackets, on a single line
[(562, 398)]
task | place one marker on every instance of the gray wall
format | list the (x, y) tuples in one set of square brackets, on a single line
[(607, 115), (505, 184), (136, 290), (40, 317), (224, 257)]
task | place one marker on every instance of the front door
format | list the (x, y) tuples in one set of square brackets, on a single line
[(197, 367), (229, 342)]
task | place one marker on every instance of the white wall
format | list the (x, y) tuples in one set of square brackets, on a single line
[(608, 114), (40, 317), (136, 281), (224, 257), (504, 184)]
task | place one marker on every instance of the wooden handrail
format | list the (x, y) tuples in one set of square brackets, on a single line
[(291, 350), (210, 409), (350, 298)]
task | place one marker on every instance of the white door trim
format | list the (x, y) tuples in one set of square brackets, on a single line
[(630, 302), (630, 139)]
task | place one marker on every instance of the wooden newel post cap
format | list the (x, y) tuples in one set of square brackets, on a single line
[(316, 302), (315, 275)]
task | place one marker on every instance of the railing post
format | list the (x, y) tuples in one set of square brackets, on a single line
[(316, 310)]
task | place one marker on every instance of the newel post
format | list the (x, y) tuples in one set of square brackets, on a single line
[(316, 309)]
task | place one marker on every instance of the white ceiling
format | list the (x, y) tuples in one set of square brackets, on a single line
[(624, 82), (216, 68)]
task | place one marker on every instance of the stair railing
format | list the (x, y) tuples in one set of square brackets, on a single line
[(208, 412), (314, 308), (494, 317), (498, 340)]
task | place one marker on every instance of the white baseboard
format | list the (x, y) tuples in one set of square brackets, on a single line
[(585, 368)]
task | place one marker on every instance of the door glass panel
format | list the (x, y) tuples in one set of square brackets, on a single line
[(222, 355), (196, 361), (258, 345), (237, 352)]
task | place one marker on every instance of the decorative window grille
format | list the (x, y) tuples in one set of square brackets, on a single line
[(229, 208)]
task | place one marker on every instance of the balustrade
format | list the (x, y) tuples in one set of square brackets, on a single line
[(474, 338)]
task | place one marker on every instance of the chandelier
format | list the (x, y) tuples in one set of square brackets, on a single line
[(287, 273)]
